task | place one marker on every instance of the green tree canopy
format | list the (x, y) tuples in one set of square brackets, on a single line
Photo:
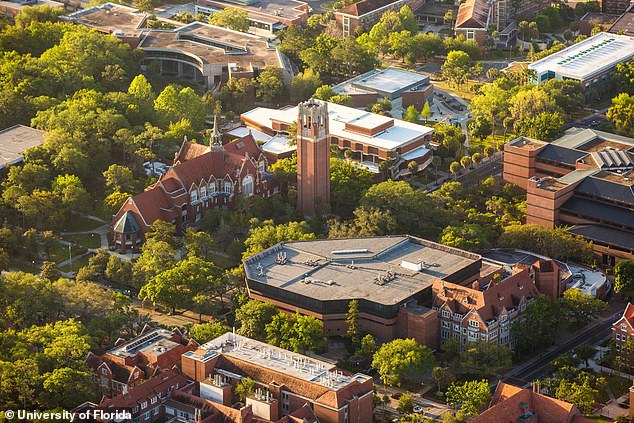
[(402, 360)]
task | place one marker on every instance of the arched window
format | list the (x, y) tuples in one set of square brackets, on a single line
[(247, 185)]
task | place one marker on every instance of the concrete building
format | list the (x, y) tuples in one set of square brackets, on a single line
[(10, 8), (132, 362), (584, 179), (591, 61), (371, 138), (365, 13), (391, 278), (202, 177), (404, 88), (285, 381), (513, 404), (269, 16), (313, 158), (14, 141), (122, 21)]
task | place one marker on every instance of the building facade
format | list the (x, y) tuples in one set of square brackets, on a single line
[(202, 177), (366, 13), (313, 158), (130, 363), (622, 331), (583, 180), (615, 6), (370, 138), (285, 382)]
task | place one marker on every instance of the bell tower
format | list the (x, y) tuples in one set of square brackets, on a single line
[(313, 157)]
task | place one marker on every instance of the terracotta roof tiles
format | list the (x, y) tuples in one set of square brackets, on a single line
[(473, 14)]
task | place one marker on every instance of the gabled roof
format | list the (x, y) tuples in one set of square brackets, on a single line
[(510, 402), (628, 315), (127, 224), (365, 6), (561, 154), (473, 14), (190, 150)]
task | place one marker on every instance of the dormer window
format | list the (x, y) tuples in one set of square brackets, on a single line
[(193, 196), (212, 188), (143, 405), (261, 166), (228, 188), (203, 192)]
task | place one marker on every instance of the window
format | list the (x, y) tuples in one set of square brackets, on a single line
[(247, 185), (104, 371), (228, 188), (618, 336), (474, 323), (193, 196), (445, 324), (212, 188), (203, 191), (470, 34), (135, 410), (445, 313), (261, 166), (153, 400), (143, 405), (146, 416), (623, 327)]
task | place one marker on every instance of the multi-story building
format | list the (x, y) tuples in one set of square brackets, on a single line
[(390, 277), (486, 310), (591, 62), (622, 331), (204, 54), (202, 177), (144, 403), (513, 404), (402, 87), (284, 381), (584, 179), (616, 6), (474, 19), (365, 13), (132, 362), (624, 25), (371, 138), (269, 16), (14, 141)]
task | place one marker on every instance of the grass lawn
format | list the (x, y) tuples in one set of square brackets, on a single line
[(77, 264), (80, 224), (85, 240), (60, 252), (600, 419), (24, 266), (618, 385), (467, 95)]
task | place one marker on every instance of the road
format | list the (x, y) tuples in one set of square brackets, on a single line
[(483, 171), (524, 374), (589, 121)]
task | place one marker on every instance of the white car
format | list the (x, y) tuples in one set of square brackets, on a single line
[(418, 409)]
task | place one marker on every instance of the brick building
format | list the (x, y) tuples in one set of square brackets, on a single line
[(390, 277), (616, 6), (144, 402), (622, 330), (365, 13), (513, 404), (132, 362), (486, 310), (371, 138), (402, 87), (202, 177), (285, 381), (584, 179)]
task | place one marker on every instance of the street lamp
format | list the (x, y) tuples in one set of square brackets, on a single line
[(70, 257)]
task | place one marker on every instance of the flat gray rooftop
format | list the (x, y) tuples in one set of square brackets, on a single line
[(384, 270), (153, 342), (15, 140), (387, 81)]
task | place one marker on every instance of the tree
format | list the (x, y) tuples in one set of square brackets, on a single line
[(245, 387), (66, 387), (426, 112), (585, 352), (161, 289), (621, 114), (253, 317), (266, 234), (470, 397), (368, 346), (442, 377), (402, 360), (457, 67), (325, 92), (175, 103), (309, 334), (352, 318), (411, 114), (484, 359), (539, 328), (205, 332), (624, 77), (304, 84), (348, 183), (156, 257), (143, 5), (465, 161), (580, 307), (454, 168), (269, 84), (624, 277), (119, 179), (231, 18), (582, 395), (405, 404), (200, 244)]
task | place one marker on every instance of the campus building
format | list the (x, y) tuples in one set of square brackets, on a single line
[(14, 141), (624, 25), (591, 62), (371, 138), (202, 177), (402, 87), (391, 278), (285, 382), (11, 8), (201, 53), (513, 404), (616, 6), (130, 363), (584, 179), (269, 16), (366, 13), (622, 331)]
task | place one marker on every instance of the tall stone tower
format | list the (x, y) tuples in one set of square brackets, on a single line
[(313, 157)]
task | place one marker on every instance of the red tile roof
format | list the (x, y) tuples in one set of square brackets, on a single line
[(473, 14), (506, 406), (190, 150), (365, 6)]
